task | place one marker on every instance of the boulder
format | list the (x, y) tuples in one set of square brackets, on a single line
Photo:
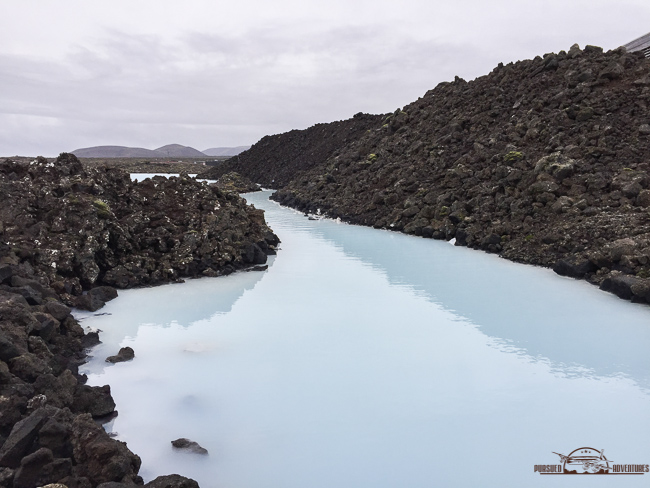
[(35, 469), (6, 272), (627, 287), (100, 458), (574, 268), (57, 310), (125, 354), (189, 446), (95, 400), (172, 481), (22, 437), (28, 367), (55, 435), (96, 298), (8, 349)]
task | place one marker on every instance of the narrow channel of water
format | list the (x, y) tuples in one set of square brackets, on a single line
[(365, 358)]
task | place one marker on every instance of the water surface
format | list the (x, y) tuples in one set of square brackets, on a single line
[(365, 358)]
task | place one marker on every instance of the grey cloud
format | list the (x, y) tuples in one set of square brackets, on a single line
[(214, 89)]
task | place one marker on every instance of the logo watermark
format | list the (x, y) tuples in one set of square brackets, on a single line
[(587, 460)]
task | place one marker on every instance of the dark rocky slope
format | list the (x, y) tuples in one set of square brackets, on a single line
[(78, 228), (66, 230), (275, 160), (544, 161), (236, 183)]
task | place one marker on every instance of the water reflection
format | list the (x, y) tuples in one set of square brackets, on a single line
[(178, 305), (581, 330)]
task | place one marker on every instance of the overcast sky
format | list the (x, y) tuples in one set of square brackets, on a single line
[(145, 73)]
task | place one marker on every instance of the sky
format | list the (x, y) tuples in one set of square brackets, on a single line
[(146, 73)]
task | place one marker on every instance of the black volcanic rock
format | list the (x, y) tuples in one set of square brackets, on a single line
[(70, 235), (236, 183), (544, 161), (78, 229), (172, 481), (124, 354), (275, 160)]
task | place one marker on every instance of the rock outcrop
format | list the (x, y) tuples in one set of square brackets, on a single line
[(124, 354), (544, 161), (77, 229), (70, 237)]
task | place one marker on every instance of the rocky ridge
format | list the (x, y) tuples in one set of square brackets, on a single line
[(67, 234), (543, 161), (275, 160)]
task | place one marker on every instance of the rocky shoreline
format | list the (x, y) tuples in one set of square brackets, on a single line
[(544, 161), (70, 237)]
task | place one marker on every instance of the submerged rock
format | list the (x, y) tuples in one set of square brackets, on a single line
[(189, 445), (172, 481), (125, 354)]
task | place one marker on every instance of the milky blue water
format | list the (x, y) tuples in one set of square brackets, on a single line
[(370, 359)]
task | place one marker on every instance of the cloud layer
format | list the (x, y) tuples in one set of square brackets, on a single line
[(228, 85)]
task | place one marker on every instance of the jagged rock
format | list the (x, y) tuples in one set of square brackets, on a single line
[(95, 400), (574, 269), (100, 228), (189, 445), (59, 390), (236, 183), (253, 254), (57, 310), (6, 272), (54, 435), (43, 291), (96, 298), (627, 287), (172, 481), (40, 468), (125, 354), (90, 340), (22, 437), (28, 367), (8, 349), (102, 459)]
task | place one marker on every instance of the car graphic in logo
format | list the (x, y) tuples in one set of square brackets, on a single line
[(585, 460)]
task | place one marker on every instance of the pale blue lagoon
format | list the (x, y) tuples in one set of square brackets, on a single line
[(370, 359)]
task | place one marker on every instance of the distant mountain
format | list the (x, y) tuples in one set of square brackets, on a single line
[(168, 151), (225, 151), (178, 151), (115, 152)]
